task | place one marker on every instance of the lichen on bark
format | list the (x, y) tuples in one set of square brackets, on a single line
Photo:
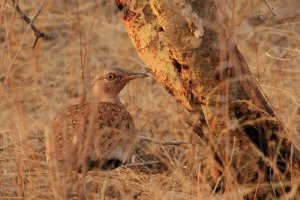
[(147, 37)]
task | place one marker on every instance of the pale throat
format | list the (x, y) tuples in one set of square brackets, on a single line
[(103, 95)]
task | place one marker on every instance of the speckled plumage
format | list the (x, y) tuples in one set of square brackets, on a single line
[(92, 132)]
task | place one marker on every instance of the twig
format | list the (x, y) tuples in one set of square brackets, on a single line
[(268, 5), (12, 144), (142, 163), (37, 33), (165, 143), (85, 72)]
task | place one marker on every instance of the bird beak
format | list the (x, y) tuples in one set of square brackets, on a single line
[(132, 76)]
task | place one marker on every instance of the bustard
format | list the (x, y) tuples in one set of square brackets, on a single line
[(95, 136)]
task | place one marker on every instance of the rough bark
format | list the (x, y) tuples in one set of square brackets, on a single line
[(188, 49)]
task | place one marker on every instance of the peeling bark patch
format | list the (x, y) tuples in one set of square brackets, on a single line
[(176, 65), (194, 21), (160, 29), (170, 91), (217, 76), (186, 83), (121, 4), (128, 15), (194, 100), (148, 14)]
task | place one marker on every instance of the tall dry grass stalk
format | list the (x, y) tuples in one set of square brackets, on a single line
[(42, 80)]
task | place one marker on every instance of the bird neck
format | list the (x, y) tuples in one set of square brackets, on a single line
[(111, 99)]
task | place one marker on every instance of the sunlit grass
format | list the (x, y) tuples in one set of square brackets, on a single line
[(43, 80)]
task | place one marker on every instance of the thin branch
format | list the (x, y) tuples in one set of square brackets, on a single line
[(142, 163), (164, 143), (37, 33), (2, 148), (270, 8)]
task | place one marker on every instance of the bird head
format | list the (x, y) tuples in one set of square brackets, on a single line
[(108, 83)]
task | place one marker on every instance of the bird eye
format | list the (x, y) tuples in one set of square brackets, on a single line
[(111, 77)]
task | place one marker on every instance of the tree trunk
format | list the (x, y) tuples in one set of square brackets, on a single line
[(189, 50)]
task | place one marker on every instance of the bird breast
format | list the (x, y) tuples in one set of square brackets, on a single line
[(96, 131)]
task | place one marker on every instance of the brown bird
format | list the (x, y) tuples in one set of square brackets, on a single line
[(95, 136)]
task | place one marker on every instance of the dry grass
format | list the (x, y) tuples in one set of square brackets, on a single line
[(43, 80)]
